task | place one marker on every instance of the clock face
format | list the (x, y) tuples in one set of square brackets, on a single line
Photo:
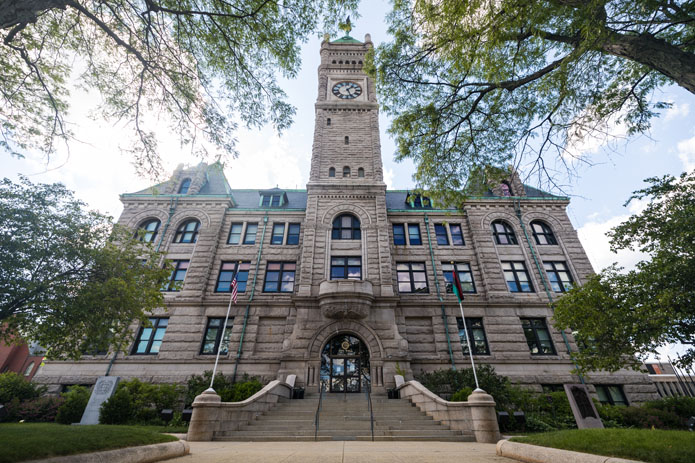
[(347, 90)]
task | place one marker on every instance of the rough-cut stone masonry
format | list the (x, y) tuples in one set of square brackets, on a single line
[(285, 333)]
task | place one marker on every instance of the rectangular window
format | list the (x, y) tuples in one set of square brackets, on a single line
[(235, 233), (414, 234), (611, 395), (213, 336), (465, 276), (279, 277), (517, 277), (150, 338), (442, 237), (250, 235), (456, 235), (227, 270), (293, 234), (265, 200), (547, 388), (346, 268), (177, 276), (278, 233), (559, 276), (398, 234), (538, 336), (275, 201), (476, 334), (412, 277)]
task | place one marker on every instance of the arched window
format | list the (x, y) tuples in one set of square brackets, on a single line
[(185, 185), (347, 140), (542, 233), (503, 232), (346, 171), (187, 232), (147, 231), (331, 172), (506, 189), (328, 121), (346, 227), (360, 172)]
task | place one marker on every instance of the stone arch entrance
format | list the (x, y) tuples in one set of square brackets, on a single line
[(344, 364)]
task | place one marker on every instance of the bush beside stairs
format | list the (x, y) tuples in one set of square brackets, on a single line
[(344, 417)]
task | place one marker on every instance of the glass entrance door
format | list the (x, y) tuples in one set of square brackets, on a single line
[(345, 374), (344, 360)]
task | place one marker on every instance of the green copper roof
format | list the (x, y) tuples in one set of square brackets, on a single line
[(346, 39)]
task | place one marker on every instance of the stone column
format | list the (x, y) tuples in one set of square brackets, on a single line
[(483, 417), (204, 420)]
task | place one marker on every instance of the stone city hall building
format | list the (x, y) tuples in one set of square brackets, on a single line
[(346, 278)]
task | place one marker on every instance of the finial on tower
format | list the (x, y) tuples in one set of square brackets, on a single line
[(346, 26)]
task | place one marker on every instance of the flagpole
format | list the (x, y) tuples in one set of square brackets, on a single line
[(224, 327), (459, 296)]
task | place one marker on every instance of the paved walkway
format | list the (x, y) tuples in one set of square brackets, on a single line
[(341, 452)]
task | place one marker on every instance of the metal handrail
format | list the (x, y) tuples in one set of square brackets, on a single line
[(368, 392), (318, 409)]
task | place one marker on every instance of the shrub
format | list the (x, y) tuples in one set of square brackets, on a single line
[(75, 401), (118, 409), (684, 407), (646, 417), (198, 383), (443, 382), (543, 412), (462, 395), (228, 391), (241, 390), (143, 401), (14, 386), (36, 410), (553, 409), (611, 415)]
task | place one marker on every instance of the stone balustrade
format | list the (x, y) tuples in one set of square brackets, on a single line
[(213, 418), (476, 416)]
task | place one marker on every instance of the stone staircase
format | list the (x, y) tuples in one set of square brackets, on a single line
[(344, 417)]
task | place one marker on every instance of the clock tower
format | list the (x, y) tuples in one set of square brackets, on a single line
[(345, 281), (346, 148), (346, 171)]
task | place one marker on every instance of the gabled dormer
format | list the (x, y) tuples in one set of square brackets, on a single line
[(273, 198)]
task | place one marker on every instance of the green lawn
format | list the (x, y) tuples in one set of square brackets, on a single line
[(637, 444), (29, 441)]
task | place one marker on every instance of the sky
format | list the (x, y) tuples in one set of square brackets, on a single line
[(98, 171)]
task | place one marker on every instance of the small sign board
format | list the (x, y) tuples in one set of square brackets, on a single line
[(103, 389), (583, 408)]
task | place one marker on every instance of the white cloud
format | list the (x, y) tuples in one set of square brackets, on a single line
[(588, 136), (596, 243), (677, 110), (686, 153), (388, 178), (266, 160)]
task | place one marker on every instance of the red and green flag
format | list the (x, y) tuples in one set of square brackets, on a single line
[(457, 285)]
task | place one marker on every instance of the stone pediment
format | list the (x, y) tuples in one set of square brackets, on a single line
[(345, 298)]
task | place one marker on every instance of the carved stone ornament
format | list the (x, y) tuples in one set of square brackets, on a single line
[(341, 299)]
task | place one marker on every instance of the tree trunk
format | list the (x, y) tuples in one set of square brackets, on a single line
[(16, 12), (657, 54)]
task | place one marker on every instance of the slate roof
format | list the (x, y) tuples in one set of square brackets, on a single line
[(250, 199), (216, 184)]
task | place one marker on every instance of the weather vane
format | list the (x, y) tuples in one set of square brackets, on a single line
[(346, 26)]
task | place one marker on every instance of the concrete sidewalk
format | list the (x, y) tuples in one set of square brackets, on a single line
[(341, 452)]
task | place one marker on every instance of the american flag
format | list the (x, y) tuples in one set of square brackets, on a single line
[(234, 289)]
